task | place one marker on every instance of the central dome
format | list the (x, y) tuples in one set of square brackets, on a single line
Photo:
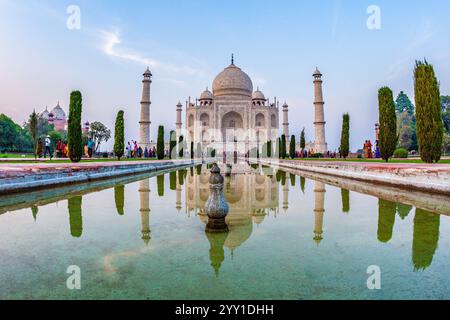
[(232, 82)]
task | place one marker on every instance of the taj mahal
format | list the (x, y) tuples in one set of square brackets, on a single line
[(233, 118)]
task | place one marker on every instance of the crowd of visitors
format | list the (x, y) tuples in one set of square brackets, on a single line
[(133, 150)]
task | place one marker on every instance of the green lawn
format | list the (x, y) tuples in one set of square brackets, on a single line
[(15, 155), (82, 161)]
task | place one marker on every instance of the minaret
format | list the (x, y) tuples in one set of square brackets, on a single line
[(144, 132), (319, 209), (144, 197), (320, 145), (286, 123), (178, 124)]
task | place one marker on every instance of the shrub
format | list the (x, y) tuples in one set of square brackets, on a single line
[(401, 153)]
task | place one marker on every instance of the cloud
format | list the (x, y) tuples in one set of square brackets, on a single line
[(111, 47)]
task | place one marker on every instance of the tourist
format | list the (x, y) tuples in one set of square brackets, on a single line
[(135, 150), (48, 144), (65, 149), (85, 150), (128, 149), (39, 148), (146, 153), (139, 152), (90, 146), (59, 148)]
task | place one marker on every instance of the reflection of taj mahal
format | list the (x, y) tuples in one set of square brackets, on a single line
[(251, 198), (253, 194)]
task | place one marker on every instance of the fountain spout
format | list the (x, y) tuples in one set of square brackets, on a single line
[(216, 207)]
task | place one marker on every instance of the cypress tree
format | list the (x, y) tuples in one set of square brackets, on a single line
[(283, 147), (192, 150), (172, 145), (277, 148), (388, 123), (344, 149), (33, 131), (430, 128), (74, 134), (181, 147), (292, 147), (119, 137), (160, 143), (302, 141), (269, 149)]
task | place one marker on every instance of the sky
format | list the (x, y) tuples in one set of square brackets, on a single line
[(187, 43)]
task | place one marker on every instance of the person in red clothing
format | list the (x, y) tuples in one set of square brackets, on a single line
[(59, 149)]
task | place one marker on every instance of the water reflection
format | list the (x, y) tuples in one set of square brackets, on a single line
[(319, 210), (34, 212), (144, 197), (403, 210), (75, 216), (345, 195), (252, 197), (426, 238), (119, 197), (216, 251), (386, 219)]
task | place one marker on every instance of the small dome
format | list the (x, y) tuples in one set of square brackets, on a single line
[(51, 115), (258, 95), (147, 72), (285, 105), (232, 81), (206, 95), (45, 113), (58, 112), (317, 73)]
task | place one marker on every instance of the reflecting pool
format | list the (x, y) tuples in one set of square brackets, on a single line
[(290, 237)]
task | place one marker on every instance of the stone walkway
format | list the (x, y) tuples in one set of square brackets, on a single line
[(18, 177), (433, 178)]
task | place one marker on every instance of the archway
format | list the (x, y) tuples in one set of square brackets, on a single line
[(233, 133), (260, 120)]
